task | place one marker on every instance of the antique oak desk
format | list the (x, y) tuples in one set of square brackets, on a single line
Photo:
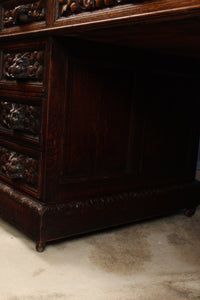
[(99, 105)]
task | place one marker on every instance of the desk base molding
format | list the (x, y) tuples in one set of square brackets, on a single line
[(44, 223)]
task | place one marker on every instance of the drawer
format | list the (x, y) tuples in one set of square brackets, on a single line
[(21, 118), (20, 168), (23, 66), (87, 12), (102, 13), (23, 15), (66, 8)]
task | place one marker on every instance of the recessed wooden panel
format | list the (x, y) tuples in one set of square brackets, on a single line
[(97, 121), (169, 126)]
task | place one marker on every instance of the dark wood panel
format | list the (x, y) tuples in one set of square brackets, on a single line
[(170, 126), (98, 142), (98, 114), (124, 116)]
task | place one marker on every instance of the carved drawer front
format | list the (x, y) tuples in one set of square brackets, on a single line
[(19, 117), (22, 12), (70, 7), (23, 65), (19, 167)]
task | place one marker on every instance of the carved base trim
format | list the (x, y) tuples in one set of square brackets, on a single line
[(21, 199), (22, 211), (47, 222), (104, 201)]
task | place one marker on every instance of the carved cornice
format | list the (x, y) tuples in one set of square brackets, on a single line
[(68, 7), (18, 166), (23, 14), (21, 117), (23, 65)]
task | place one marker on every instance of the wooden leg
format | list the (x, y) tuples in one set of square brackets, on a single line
[(189, 212), (40, 246)]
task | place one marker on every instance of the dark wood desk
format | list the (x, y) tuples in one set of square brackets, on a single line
[(99, 113)]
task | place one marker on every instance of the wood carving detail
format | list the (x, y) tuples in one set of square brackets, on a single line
[(122, 198), (22, 199), (18, 166), (21, 117), (24, 14), (68, 7), (25, 65)]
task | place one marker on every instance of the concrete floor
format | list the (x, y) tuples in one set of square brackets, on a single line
[(151, 260)]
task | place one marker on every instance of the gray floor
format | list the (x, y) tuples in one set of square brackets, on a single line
[(151, 260)]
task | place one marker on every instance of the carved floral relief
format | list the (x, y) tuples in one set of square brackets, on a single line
[(68, 7), (18, 166), (23, 14), (21, 117), (23, 65)]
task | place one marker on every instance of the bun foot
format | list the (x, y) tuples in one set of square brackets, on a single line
[(40, 246), (189, 212)]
